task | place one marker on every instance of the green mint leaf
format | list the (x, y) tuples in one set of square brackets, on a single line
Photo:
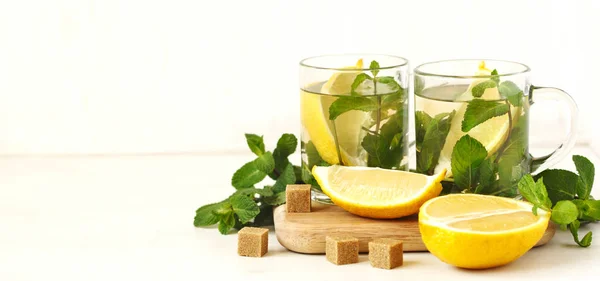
[(587, 239), (479, 111), (286, 146), (592, 212), (495, 76), (205, 215), (312, 154), (479, 89), (511, 92), (256, 144), (534, 192), (287, 177), (247, 176), (487, 176), (265, 163), (559, 183), (396, 140), (276, 199), (348, 103), (226, 223), (360, 78), (513, 162), (308, 178), (251, 192), (379, 147), (244, 207), (422, 120), (467, 156), (586, 171), (374, 67), (564, 212), (431, 137)]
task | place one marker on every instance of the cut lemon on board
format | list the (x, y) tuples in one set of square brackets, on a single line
[(480, 231), (491, 133), (314, 115), (375, 192)]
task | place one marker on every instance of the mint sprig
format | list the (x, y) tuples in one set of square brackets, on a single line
[(554, 191), (248, 205)]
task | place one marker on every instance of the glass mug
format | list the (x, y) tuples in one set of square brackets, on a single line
[(354, 112), (472, 119)]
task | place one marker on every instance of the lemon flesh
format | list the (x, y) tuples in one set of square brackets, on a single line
[(491, 133), (480, 231), (315, 120), (376, 192)]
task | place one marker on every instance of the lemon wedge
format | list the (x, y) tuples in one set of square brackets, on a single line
[(375, 192), (480, 231), (491, 133), (314, 111)]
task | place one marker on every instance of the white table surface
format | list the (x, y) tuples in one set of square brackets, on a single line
[(131, 218)]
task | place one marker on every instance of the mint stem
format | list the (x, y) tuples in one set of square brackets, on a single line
[(510, 126), (337, 144), (378, 104)]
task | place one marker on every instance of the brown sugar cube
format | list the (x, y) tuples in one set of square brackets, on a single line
[(385, 253), (297, 198), (253, 241), (341, 250)]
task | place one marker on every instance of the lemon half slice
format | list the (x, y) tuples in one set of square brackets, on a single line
[(376, 192), (480, 231)]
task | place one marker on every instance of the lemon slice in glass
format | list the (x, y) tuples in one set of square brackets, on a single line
[(315, 119), (491, 133)]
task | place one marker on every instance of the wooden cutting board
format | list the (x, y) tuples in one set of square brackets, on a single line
[(305, 232)]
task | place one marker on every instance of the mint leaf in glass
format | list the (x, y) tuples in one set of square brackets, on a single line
[(360, 78), (487, 176), (511, 92), (374, 67), (480, 88), (255, 143), (467, 156), (348, 103), (495, 76), (431, 136), (479, 111)]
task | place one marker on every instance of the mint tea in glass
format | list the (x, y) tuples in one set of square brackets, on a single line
[(472, 118), (354, 112)]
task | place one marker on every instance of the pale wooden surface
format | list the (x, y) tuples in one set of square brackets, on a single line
[(305, 232)]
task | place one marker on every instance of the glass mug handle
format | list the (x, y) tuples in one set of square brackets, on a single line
[(540, 164)]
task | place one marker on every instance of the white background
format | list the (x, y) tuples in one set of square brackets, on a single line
[(92, 76)]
